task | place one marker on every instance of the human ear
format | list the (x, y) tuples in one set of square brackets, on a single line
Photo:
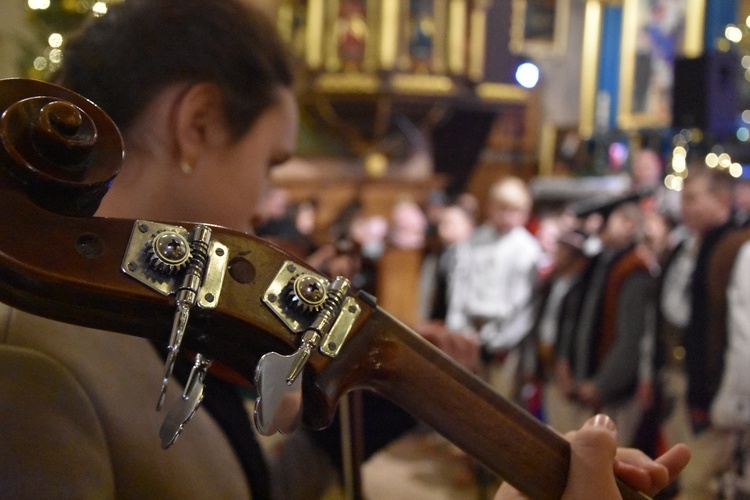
[(199, 122)]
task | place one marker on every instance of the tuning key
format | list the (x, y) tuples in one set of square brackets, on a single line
[(175, 340), (278, 407), (191, 399), (278, 378), (310, 341)]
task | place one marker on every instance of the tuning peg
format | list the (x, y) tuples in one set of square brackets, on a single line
[(278, 407), (278, 378), (188, 404), (310, 341), (175, 340), (187, 296)]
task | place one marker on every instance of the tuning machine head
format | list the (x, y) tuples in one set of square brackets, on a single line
[(295, 295)]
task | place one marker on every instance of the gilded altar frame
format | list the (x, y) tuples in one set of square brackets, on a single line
[(628, 118), (539, 27)]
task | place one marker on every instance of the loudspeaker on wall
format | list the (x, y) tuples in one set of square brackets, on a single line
[(705, 93)]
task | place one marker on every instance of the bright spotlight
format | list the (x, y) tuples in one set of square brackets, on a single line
[(527, 75)]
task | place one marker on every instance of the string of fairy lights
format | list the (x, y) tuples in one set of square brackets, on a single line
[(717, 158), (55, 19), (736, 38)]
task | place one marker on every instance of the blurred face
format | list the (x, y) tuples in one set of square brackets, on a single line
[(547, 235), (701, 209), (275, 203), (232, 189), (618, 231), (305, 220), (504, 216), (454, 225), (646, 169), (656, 232)]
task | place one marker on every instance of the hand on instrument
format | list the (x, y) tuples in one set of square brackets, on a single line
[(461, 346), (588, 394), (595, 460)]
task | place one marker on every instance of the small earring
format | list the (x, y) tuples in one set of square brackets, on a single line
[(186, 168)]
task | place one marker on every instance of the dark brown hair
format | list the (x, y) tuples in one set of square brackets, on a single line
[(124, 59)]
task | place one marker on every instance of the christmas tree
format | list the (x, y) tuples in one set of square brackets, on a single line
[(51, 22)]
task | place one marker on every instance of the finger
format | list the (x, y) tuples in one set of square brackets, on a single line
[(639, 471), (592, 454), (674, 460), (508, 492), (642, 477)]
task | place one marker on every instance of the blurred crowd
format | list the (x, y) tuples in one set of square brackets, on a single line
[(635, 304)]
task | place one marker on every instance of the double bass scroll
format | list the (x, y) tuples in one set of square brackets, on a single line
[(59, 148)]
